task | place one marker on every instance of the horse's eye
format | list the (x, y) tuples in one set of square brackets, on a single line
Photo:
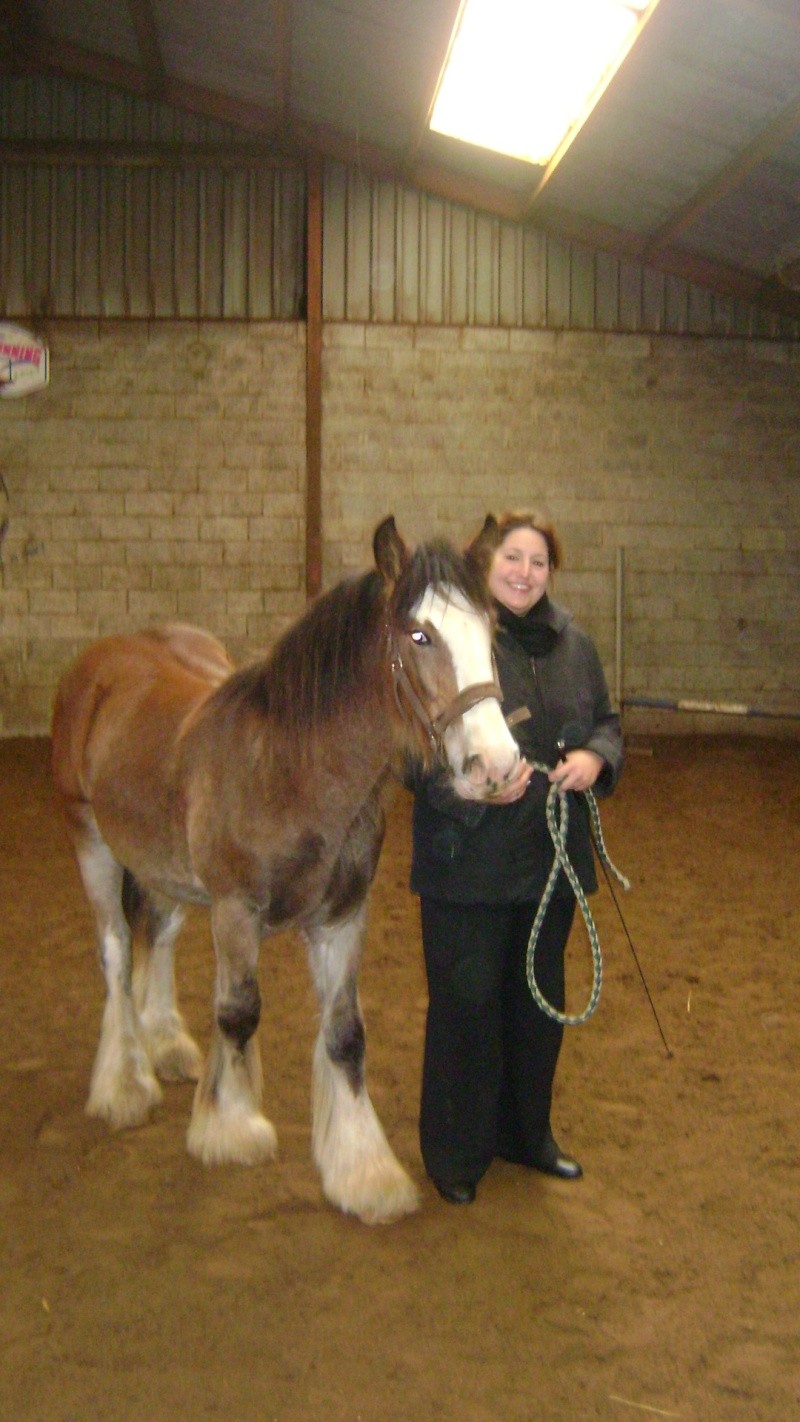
[(421, 638)]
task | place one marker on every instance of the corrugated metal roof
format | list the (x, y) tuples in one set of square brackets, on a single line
[(690, 163)]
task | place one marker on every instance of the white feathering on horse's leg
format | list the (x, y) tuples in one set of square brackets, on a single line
[(174, 1054), (227, 1125), (360, 1172), (123, 1089)]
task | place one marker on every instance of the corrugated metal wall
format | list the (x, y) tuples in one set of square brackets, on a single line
[(158, 239), (393, 254), (150, 242), (226, 240)]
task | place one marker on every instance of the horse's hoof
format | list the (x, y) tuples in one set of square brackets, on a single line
[(124, 1109), (381, 1203), (176, 1059), (383, 1215), (243, 1139)]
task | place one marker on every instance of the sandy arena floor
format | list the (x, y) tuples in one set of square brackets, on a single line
[(139, 1287)]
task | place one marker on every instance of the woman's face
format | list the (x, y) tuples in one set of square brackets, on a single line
[(520, 570)]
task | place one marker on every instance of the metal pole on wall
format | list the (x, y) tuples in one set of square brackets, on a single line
[(619, 616), (314, 379)]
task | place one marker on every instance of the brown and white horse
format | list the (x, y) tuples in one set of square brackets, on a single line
[(257, 792)]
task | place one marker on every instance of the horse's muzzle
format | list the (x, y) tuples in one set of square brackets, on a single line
[(484, 781)]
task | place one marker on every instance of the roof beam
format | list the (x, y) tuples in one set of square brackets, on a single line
[(59, 57), (18, 23), (72, 153), (282, 20), (782, 127), (141, 12), (439, 51), (672, 261)]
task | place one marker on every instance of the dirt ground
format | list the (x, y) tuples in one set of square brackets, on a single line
[(137, 1285)]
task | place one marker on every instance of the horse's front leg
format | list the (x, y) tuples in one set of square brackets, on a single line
[(227, 1123), (359, 1170)]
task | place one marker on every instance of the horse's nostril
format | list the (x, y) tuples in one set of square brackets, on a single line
[(470, 764)]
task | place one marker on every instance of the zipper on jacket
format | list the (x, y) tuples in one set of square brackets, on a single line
[(540, 694), (546, 742)]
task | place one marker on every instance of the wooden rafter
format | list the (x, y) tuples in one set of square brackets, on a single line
[(19, 24), (440, 48), (282, 69), (59, 57), (144, 23), (673, 261), (118, 153), (728, 179)]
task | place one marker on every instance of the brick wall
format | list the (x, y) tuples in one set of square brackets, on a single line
[(161, 475), (683, 453)]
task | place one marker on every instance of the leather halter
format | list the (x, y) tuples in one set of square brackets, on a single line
[(435, 727)]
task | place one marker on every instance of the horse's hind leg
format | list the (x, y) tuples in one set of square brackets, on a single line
[(123, 1088), (172, 1052), (359, 1170), (227, 1122)]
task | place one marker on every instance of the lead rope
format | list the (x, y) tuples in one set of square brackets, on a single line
[(557, 823)]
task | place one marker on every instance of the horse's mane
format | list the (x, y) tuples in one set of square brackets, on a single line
[(335, 653), (320, 662)]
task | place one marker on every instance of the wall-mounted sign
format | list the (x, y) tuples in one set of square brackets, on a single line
[(24, 362)]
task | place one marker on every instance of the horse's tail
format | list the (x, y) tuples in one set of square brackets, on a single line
[(134, 901)]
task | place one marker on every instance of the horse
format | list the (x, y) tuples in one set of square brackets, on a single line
[(258, 792)]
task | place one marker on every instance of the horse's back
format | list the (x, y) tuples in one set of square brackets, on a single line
[(193, 648), (126, 698)]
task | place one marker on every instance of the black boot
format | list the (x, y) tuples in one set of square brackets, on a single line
[(456, 1192), (551, 1160)]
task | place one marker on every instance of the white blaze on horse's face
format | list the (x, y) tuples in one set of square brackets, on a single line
[(480, 748)]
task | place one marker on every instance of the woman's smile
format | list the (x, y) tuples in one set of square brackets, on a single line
[(520, 570)]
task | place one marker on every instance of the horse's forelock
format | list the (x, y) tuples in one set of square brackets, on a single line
[(439, 567)]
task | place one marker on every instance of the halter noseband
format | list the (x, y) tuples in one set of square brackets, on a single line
[(464, 701)]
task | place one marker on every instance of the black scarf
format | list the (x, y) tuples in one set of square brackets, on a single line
[(533, 631)]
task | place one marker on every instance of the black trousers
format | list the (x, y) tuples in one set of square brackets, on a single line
[(490, 1052)]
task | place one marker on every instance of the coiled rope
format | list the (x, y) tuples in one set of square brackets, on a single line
[(557, 813)]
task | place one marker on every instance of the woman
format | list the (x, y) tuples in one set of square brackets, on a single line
[(480, 871)]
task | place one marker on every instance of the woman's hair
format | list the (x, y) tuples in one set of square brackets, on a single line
[(486, 543)]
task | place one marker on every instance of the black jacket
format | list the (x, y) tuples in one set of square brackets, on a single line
[(466, 852)]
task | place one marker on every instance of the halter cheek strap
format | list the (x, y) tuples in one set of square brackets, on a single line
[(464, 701)]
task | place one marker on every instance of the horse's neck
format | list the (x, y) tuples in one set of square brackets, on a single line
[(353, 748), (349, 749)]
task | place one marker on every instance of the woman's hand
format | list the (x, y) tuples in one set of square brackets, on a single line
[(515, 788), (510, 790), (578, 771)]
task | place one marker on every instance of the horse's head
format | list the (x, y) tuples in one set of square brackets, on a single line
[(440, 632)]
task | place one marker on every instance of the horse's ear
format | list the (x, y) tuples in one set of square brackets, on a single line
[(391, 553), (479, 550)]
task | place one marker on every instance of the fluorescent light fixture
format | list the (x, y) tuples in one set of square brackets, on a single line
[(520, 74)]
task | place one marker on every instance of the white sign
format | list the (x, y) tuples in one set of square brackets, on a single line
[(24, 362)]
